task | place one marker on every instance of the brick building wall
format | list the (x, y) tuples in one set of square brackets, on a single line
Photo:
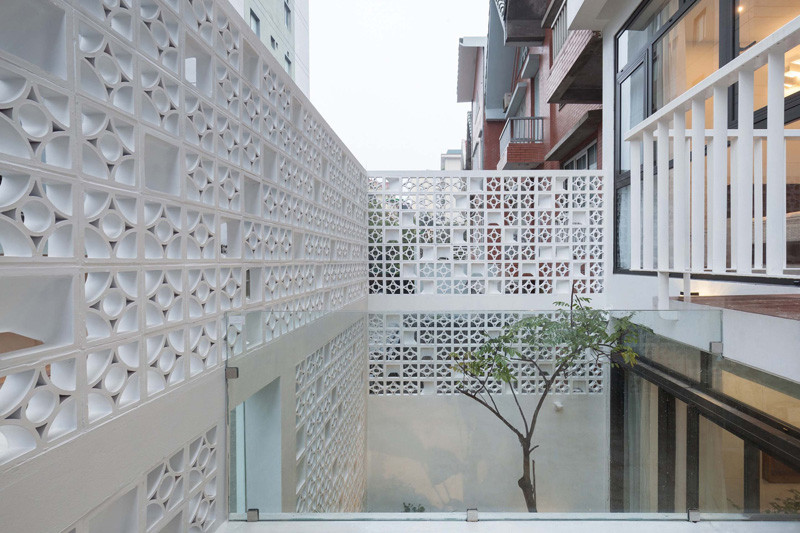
[(491, 143)]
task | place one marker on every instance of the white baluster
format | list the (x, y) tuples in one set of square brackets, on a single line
[(636, 206), (710, 204), (662, 200), (744, 176), (758, 206), (734, 204), (698, 183), (647, 200), (680, 195), (719, 228), (776, 166)]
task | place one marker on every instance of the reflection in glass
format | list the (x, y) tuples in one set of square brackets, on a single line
[(721, 470), (642, 29), (686, 54), (632, 110)]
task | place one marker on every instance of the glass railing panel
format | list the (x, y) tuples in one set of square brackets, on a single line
[(366, 413)]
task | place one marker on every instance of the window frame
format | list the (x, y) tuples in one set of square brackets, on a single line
[(584, 152), (728, 50), (257, 26), (287, 15)]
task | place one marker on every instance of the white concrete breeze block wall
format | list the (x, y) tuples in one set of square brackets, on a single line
[(158, 169)]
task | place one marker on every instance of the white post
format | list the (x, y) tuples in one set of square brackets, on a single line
[(647, 200), (744, 176), (687, 287), (663, 291), (709, 225), (733, 203), (758, 206), (698, 183), (680, 196), (719, 230), (776, 166), (636, 206), (662, 200)]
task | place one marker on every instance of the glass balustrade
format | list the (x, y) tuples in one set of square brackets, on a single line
[(381, 414)]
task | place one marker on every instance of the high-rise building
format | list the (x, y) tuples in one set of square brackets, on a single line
[(282, 25)]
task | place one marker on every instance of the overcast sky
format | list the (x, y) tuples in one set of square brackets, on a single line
[(383, 74)]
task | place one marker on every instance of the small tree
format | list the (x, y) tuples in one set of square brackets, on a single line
[(575, 333)]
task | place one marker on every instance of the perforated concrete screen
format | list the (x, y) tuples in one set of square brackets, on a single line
[(484, 233), (155, 173), (410, 354), (331, 424)]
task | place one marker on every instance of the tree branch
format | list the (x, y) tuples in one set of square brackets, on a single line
[(492, 410)]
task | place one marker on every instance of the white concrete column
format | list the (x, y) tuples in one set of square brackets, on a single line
[(719, 228), (680, 194), (698, 184), (662, 203), (758, 204), (636, 205), (647, 200), (744, 176), (776, 166)]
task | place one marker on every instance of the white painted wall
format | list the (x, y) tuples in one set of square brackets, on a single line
[(139, 195), (448, 453), (302, 48)]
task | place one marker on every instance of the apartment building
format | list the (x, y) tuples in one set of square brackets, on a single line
[(537, 103), (282, 25)]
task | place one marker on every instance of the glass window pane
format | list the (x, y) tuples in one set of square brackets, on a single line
[(757, 19), (641, 445), (721, 470), (686, 54), (592, 153), (792, 198), (632, 110), (633, 40)]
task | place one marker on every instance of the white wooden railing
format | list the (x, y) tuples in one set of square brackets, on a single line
[(692, 234)]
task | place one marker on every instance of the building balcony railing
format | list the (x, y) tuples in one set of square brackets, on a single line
[(560, 30), (717, 215), (523, 130)]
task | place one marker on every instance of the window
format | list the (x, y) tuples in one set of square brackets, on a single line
[(667, 47), (287, 63), (586, 159), (287, 15), (273, 42), (255, 24)]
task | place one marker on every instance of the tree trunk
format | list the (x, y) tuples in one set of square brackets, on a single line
[(527, 483)]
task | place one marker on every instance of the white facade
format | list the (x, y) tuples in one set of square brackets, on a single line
[(159, 170), (284, 29)]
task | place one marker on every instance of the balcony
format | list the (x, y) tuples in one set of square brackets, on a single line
[(522, 143), (733, 210), (577, 67), (522, 21)]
